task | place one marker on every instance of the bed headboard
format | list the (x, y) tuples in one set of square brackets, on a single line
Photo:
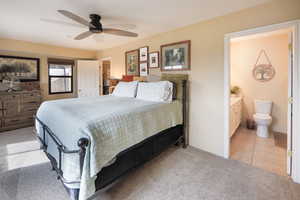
[(181, 93), (179, 80), (181, 84)]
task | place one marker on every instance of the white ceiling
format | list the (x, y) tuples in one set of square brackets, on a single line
[(32, 20)]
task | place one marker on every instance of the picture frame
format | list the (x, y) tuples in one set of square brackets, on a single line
[(176, 56), (144, 69), (132, 62), (154, 59), (25, 69), (143, 54)]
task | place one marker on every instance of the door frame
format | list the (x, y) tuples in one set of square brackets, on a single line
[(295, 26), (101, 69)]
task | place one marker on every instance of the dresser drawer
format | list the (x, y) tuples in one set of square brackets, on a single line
[(32, 100), (12, 121), (30, 109), (13, 97), (11, 108), (18, 120), (31, 97), (10, 104), (32, 104)]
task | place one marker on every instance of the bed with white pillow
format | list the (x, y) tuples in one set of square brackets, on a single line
[(161, 91), (115, 133), (126, 89)]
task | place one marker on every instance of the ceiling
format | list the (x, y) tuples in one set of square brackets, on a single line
[(32, 20)]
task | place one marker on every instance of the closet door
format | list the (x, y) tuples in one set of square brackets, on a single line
[(88, 83)]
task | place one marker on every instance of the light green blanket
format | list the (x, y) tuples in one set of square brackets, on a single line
[(112, 124)]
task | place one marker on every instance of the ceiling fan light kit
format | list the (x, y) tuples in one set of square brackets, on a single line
[(95, 26)]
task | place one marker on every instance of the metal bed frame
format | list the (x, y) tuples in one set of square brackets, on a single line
[(82, 143)]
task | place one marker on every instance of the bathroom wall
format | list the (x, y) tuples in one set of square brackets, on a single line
[(244, 54)]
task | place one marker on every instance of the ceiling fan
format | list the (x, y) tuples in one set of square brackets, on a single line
[(95, 26)]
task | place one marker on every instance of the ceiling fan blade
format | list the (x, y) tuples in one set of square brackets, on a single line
[(83, 35), (76, 18), (98, 37), (121, 26), (119, 32), (53, 21)]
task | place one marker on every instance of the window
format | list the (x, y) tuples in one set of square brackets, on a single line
[(60, 76)]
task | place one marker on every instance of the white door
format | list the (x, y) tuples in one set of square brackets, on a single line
[(88, 78), (290, 107)]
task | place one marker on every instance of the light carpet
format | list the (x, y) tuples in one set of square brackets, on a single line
[(177, 174)]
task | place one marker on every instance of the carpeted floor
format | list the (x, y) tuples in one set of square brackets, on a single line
[(176, 174)]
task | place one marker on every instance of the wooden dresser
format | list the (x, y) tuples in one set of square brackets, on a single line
[(17, 109)]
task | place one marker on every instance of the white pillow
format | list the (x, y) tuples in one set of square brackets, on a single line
[(126, 89), (161, 91)]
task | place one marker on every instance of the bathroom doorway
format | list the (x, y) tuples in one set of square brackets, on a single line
[(259, 89)]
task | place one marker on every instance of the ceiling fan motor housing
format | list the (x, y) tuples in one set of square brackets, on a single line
[(95, 21)]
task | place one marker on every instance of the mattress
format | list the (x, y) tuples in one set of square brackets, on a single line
[(112, 124)]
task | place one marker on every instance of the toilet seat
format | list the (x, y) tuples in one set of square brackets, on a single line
[(262, 116), (262, 119)]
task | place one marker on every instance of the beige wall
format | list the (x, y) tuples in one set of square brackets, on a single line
[(207, 74), (28, 49), (243, 57)]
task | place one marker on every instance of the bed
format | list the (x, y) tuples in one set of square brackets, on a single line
[(91, 142)]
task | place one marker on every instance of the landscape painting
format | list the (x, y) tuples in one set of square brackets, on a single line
[(21, 68), (132, 62), (176, 56)]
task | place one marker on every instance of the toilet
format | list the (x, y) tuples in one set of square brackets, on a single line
[(262, 117)]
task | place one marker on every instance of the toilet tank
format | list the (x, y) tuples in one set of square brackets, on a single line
[(263, 106)]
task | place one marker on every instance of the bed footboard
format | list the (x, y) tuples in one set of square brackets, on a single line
[(126, 161), (57, 164), (82, 143)]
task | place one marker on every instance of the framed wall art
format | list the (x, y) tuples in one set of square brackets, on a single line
[(132, 62), (144, 54), (263, 72), (154, 59), (176, 56), (21, 68), (143, 69)]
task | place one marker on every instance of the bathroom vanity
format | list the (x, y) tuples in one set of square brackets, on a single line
[(235, 114)]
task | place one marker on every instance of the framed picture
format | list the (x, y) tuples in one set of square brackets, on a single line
[(176, 56), (144, 54), (143, 69), (132, 62), (22, 68), (154, 59)]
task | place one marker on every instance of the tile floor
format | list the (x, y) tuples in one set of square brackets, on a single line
[(258, 152)]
